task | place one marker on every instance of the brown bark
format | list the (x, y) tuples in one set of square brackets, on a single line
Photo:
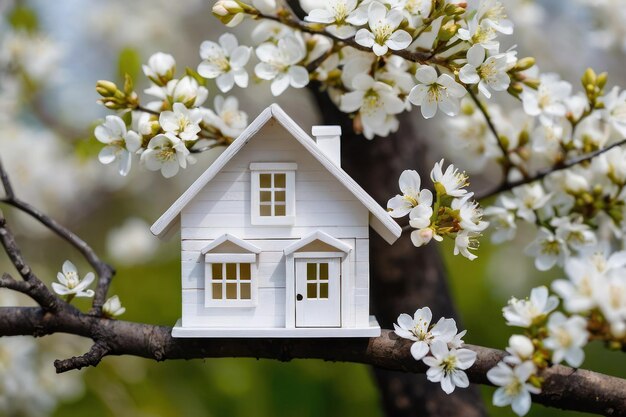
[(403, 278), (567, 388)]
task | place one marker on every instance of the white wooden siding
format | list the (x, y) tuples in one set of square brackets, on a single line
[(223, 206), (269, 311)]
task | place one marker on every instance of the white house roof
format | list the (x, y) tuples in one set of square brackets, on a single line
[(380, 220)]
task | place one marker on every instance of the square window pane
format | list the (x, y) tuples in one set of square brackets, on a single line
[(279, 180), (311, 271), (311, 291), (265, 180), (216, 270), (279, 196), (246, 294), (231, 291), (217, 292), (265, 210), (231, 271), (244, 272), (324, 271), (279, 210), (324, 290), (265, 196)]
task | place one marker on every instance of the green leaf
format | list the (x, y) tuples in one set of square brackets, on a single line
[(23, 17), (129, 62)]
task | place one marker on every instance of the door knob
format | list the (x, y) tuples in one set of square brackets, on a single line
[(299, 297)]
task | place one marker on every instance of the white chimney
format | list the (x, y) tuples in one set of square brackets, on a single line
[(328, 139)]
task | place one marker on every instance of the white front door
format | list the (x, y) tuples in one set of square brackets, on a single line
[(318, 292)]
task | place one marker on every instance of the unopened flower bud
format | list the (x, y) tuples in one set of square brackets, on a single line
[(106, 88), (524, 64), (521, 346)]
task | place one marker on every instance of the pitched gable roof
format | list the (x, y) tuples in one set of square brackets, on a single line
[(380, 220)]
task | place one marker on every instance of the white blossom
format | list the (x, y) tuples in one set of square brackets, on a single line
[(493, 14), (547, 101), (470, 213), (225, 61), (530, 199), (566, 338), (185, 90), (480, 33), (70, 283), (166, 153), (525, 313), (576, 234), (434, 92), (514, 389), (374, 100), (520, 349), (615, 110), (414, 11), (502, 216), (120, 143), (182, 122), (113, 307), (548, 250), (336, 15), (452, 181), (161, 68), (447, 366), (383, 33), (579, 290), (417, 328), (410, 183), (279, 64), (487, 73), (227, 117)]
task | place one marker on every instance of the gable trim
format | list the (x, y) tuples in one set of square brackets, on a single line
[(318, 236), (227, 237)]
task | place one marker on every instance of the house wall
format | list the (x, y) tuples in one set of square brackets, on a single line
[(223, 206)]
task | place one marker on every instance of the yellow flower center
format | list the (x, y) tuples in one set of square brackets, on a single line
[(382, 32), (449, 364)]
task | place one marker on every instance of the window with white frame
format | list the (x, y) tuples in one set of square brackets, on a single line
[(273, 193), (230, 280)]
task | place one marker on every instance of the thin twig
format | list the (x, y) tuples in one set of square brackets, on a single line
[(146, 110), (418, 57), (7, 281), (506, 164), (92, 358), (105, 271), (36, 288), (6, 183), (545, 172)]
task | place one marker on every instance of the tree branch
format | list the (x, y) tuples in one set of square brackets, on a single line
[(564, 387), (506, 164), (105, 271), (506, 186), (92, 358), (294, 22)]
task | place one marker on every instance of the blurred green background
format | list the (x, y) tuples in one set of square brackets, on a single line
[(98, 39)]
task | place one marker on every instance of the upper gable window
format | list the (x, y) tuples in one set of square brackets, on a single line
[(273, 193)]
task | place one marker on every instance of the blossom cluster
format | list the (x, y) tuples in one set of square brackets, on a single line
[(593, 307), (439, 346), (166, 131), (452, 212)]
